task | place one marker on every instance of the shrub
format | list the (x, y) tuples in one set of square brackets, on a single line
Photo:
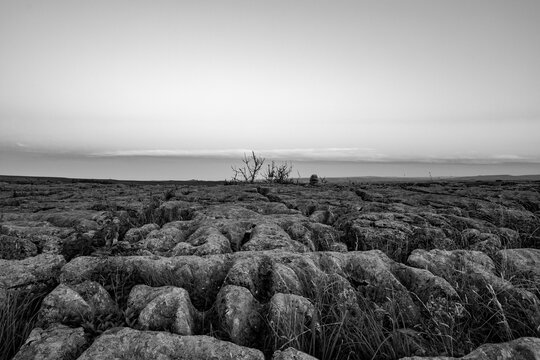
[(313, 180), (278, 173)]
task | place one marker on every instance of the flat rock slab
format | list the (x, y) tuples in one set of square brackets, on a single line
[(126, 343)]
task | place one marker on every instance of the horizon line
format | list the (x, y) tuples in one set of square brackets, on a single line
[(330, 154)]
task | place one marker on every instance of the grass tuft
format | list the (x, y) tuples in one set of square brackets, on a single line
[(18, 315)]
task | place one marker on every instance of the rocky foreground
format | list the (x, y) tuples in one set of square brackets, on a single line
[(93, 270)]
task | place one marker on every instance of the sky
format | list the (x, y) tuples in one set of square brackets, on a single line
[(128, 89)]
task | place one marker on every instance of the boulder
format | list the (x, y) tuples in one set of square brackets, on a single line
[(97, 297), (164, 308), (238, 312), (58, 342), (148, 345), (63, 304), (75, 303)]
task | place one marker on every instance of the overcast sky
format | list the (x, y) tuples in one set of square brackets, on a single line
[(454, 80)]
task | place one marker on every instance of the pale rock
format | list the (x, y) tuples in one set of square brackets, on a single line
[(239, 314), (149, 345), (291, 354), (58, 342)]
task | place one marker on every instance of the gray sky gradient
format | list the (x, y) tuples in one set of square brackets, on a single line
[(381, 80)]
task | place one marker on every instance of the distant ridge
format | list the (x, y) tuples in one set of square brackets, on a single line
[(48, 179), (376, 179), (332, 180)]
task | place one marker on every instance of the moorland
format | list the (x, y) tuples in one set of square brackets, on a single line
[(95, 269)]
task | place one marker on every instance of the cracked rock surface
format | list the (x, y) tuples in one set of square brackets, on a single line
[(435, 270)]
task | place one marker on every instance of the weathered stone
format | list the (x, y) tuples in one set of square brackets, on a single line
[(423, 283), (525, 348), (291, 354), (268, 236), (458, 263), (234, 230), (136, 234), (142, 295), (285, 280), (239, 311), (297, 231), (162, 241), (12, 248), (245, 273), (64, 304), (477, 270), (174, 210), (165, 307), (525, 262), (326, 238), (289, 315), (201, 276), (30, 273), (74, 303), (205, 241), (97, 297), (371, 273), (146, 345), (82, 219), (58, 342), (226, 211)]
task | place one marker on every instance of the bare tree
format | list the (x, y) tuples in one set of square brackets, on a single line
[(250, 170)]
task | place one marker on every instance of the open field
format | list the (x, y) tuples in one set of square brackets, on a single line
[(351, 269)]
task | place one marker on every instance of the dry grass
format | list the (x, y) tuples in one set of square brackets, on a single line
[(18, 314)]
